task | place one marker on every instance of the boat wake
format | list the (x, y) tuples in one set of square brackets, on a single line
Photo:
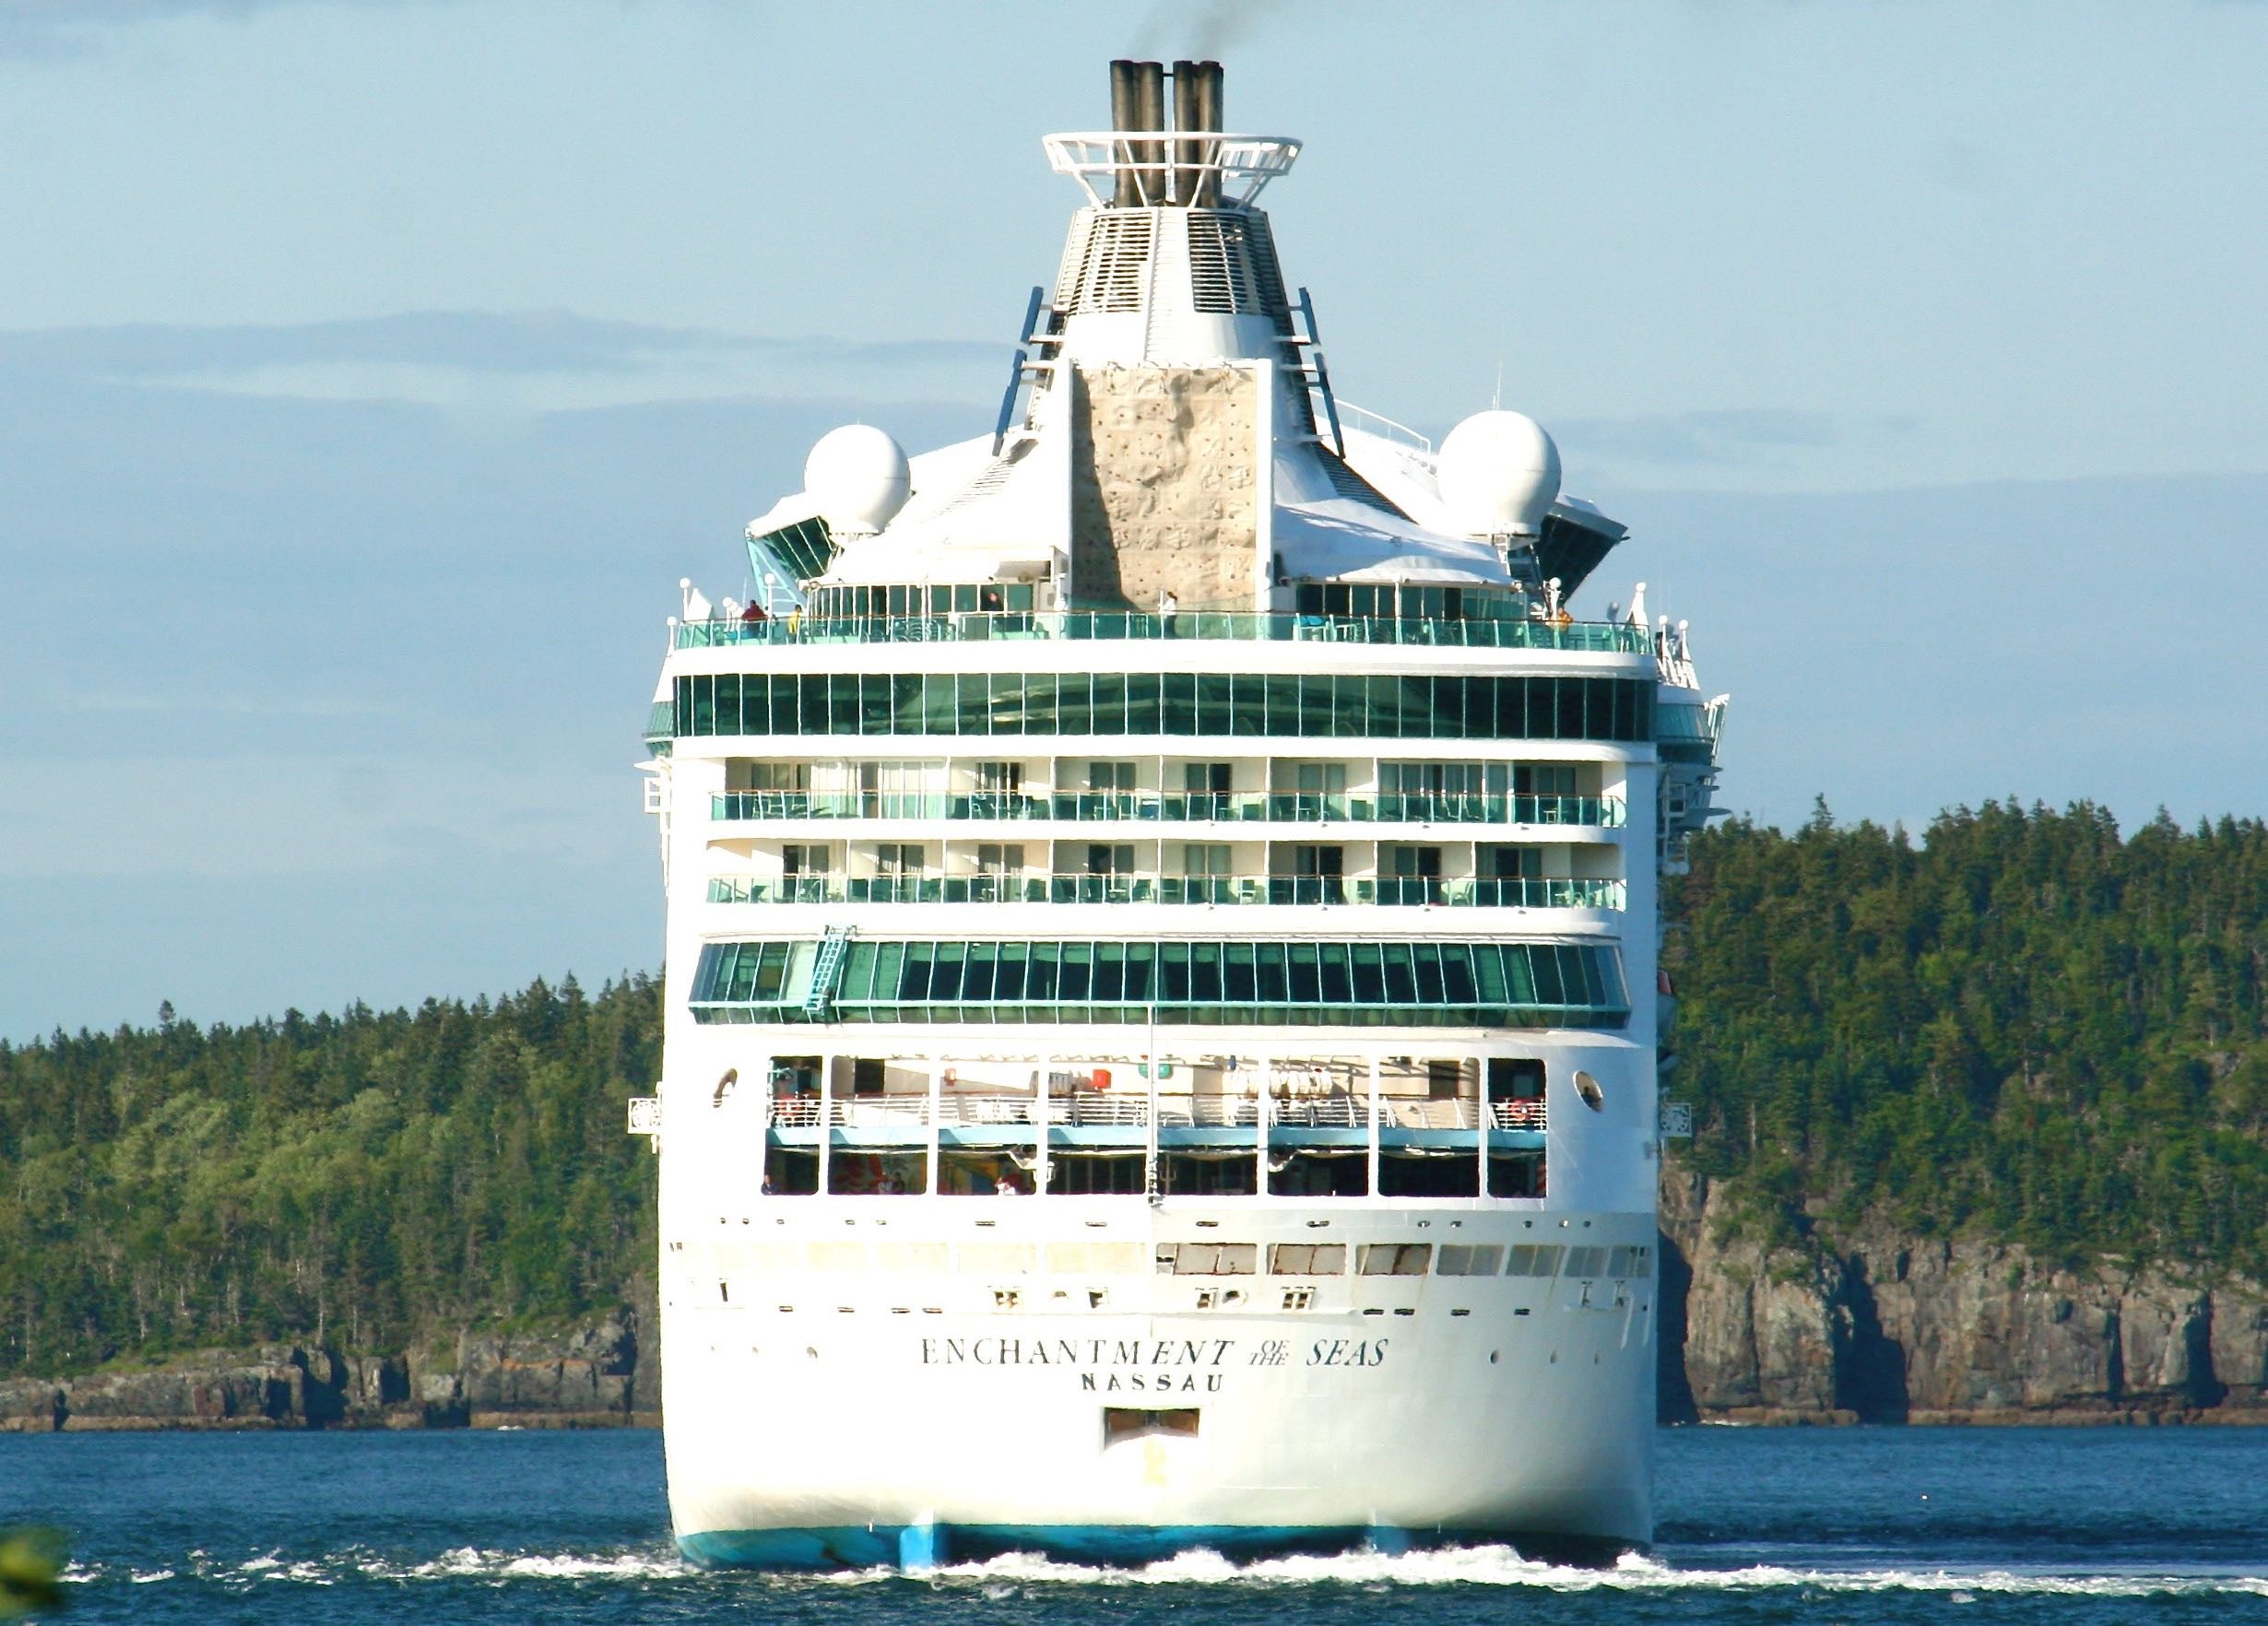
[(1503, 1567), (351, 1564), (1030, 1575)]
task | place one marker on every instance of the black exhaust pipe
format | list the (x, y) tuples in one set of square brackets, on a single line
[(1150, 114), (1124, 110), (1188, 114), (1210, 82)]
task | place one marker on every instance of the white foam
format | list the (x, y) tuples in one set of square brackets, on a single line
[(1503, 1566), (1008, 1575), (563, 1566)]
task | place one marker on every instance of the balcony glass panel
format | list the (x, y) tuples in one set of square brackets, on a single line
[(1311, 984), (916, 618), (1307, 705)]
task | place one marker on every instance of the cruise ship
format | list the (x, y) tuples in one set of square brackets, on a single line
[(1162, 1008)]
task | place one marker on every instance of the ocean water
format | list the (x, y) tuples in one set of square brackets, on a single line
[(1857, 1526)]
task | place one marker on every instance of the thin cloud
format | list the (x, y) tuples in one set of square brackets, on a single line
[(73, 27), (541, 360), (1703, 437), (536, 342), (172, 704)]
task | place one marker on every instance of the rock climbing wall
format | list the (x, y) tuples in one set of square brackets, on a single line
[(1164, 487)]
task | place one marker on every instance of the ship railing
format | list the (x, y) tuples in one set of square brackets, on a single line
[(1329, 1112), (1388, 891), (1339, 1110), (1524, 1114), (1430, 1114), (1099, 1110), (1196, 808), (1384, 428), (878, 1112), (1117, 626), (1170, 166), (964, 1109), (1493, 892), (967, 1110)]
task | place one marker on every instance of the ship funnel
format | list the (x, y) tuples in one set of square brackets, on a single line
[(1187, 114), (1160, 153), (1124, 110), (1154, 172), (1197, 111), (1150, 166), (1210, 80)]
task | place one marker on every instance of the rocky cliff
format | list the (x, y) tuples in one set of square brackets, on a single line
[(1877, 1327), (1869, 1327), (601, 1374)]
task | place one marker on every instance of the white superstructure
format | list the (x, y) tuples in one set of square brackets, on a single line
[(1161, 1008)]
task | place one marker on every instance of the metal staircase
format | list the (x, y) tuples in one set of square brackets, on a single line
[(825, 971)]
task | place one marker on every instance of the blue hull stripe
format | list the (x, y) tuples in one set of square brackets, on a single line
[(918, 1546)]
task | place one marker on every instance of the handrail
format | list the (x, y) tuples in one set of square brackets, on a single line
[(1330, 1112), (1524, 1114), (1430, 1114), (1388, 891), (1242, 165), (1200, 807), (1111, 625), (1383, 427), (1085, 1108)]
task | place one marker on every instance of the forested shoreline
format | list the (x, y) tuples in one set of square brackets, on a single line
[(357, 1181), (2020, 1029)]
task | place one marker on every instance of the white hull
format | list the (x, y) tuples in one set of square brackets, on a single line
[(844, 1415)]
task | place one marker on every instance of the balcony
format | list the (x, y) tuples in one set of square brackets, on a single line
[(958, 1110), (1114, 625), (1391, 891), (1142, 808)]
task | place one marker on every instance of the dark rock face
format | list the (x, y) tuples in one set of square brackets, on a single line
[(269, 1391), (646, 1371), (585, 1376), (582, 1376), (1873, 1327), (30, 1405)]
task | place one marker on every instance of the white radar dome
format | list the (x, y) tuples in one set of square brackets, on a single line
[(859, 476), (1498, 473)]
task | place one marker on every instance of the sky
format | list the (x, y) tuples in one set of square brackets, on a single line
[(372, 369)]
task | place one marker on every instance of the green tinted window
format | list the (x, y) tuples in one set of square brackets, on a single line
[(1302, 705), (1305, 983)]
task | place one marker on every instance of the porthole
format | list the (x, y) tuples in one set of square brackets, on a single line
[(1587, 1088)]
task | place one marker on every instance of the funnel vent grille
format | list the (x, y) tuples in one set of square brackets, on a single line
[(1105, 266), (1267, 275), (1221, 272)]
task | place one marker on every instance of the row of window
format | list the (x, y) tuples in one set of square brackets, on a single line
[(1402, 1259), (966, 625), (1134, 807), (996, 1260), (1327, 984), (1305, 704), (1363, 599), (1118, 780), (1124, 886)]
